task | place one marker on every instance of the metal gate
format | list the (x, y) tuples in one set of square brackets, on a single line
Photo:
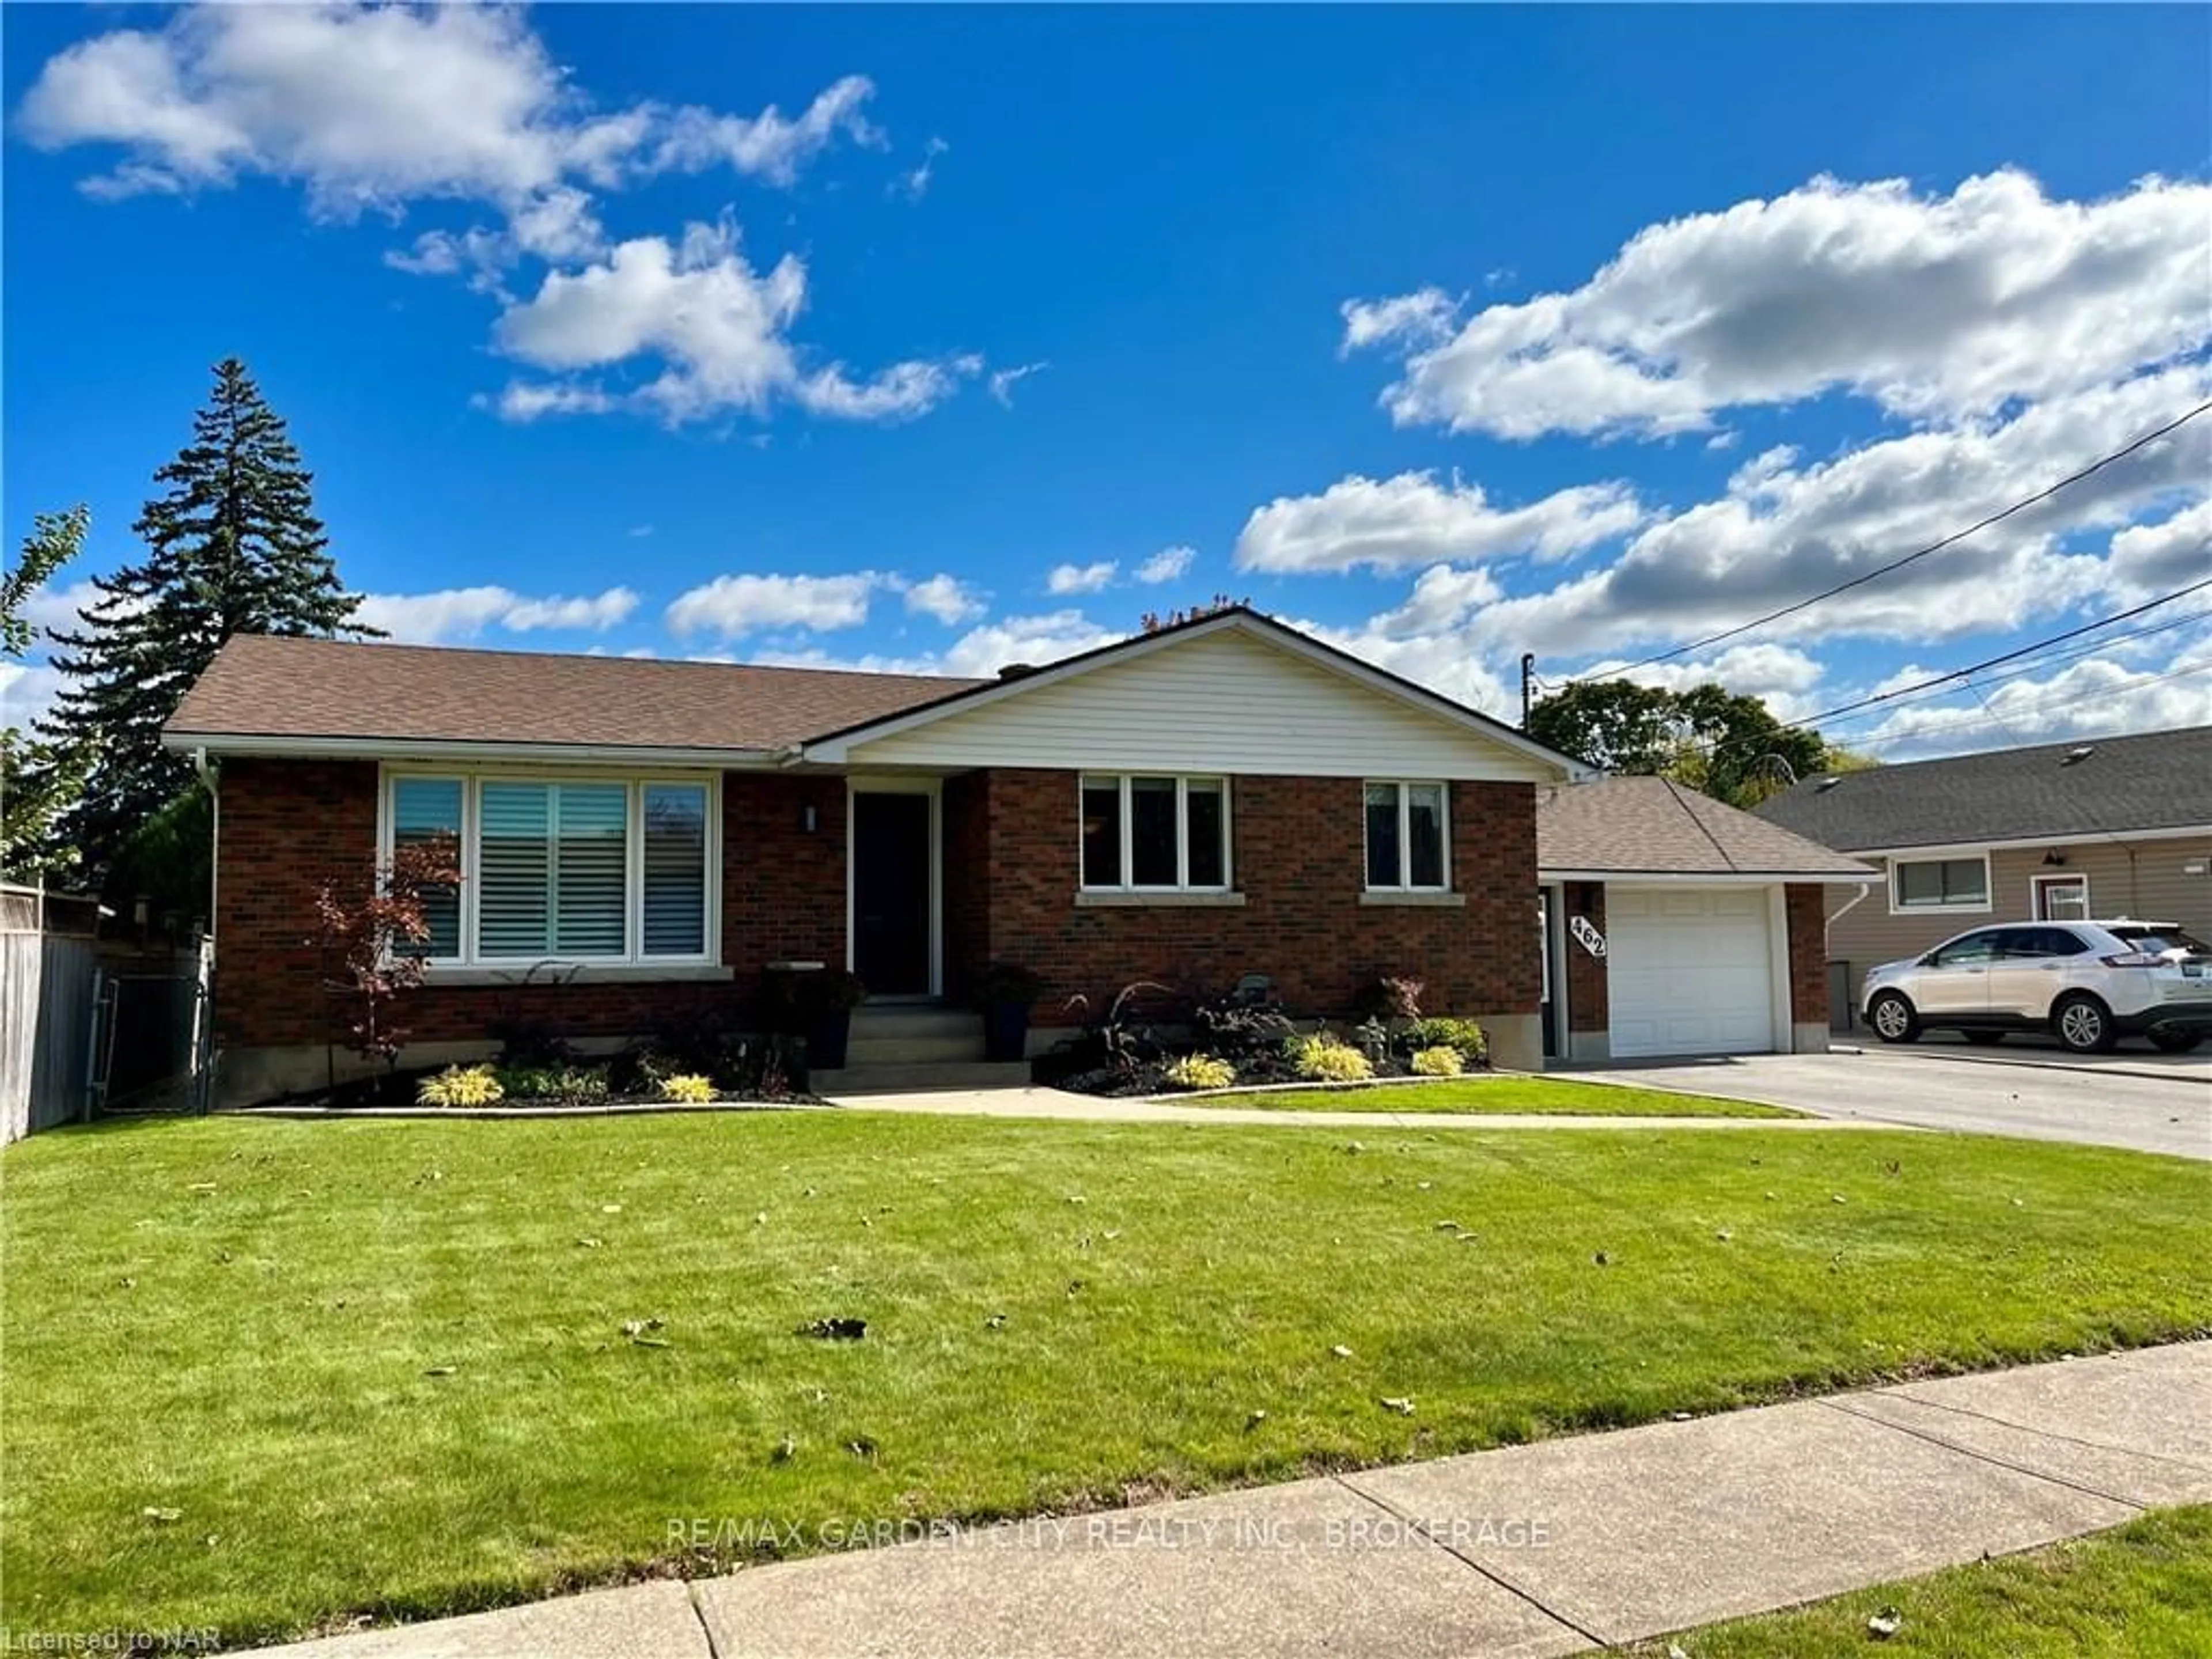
[(152, 1042)]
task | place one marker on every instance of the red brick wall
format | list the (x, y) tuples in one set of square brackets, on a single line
[(285, 825), (281, 828), (1588, 1007), (967, 879), (1807, 907), (1297, 858)]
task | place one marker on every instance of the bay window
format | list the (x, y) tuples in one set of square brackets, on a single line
[(1406, 838), (595, 871), (1155, 833)]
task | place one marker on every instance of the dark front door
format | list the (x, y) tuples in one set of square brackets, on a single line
[(891, 893)]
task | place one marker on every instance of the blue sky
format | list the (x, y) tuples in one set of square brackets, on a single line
[(924, 337)]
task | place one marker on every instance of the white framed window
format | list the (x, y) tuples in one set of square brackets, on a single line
[(1407, 837), (601, 871), (1960, 884), (1153, 832)]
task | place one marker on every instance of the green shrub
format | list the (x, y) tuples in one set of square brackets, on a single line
[(1443, 1060), (690, 1090), (1201, 1072), (575, 1082), (1323, 1058), (1463, 1035), (462, 1085)]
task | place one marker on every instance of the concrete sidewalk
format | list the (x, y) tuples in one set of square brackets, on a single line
[(1551, 1548), (1060, 1104)]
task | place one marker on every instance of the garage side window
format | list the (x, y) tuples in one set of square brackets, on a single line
[(1940, 885), (1406, 838)]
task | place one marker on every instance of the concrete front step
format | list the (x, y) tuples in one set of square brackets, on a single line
[(888, 1080), (915, 1019), (870, 1045)]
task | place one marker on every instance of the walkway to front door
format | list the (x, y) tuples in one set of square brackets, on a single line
[(891, 903)]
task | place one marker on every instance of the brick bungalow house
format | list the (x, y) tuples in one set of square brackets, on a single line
[(1224, 797)]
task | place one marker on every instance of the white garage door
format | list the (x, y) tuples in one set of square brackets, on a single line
[(1689, 970)]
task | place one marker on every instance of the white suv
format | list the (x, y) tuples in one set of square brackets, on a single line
[(2088, 983)]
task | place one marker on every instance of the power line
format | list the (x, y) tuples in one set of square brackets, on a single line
[(1995, 718), (2009, 656), (2075, 655), (1718, 747), (1865, 577)]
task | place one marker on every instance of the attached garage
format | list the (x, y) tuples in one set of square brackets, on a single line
[(1692, 971), (1678, 925)]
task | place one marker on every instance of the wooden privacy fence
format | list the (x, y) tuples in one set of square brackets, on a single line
[(49, 998)]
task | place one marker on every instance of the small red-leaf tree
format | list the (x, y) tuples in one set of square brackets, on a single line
[(371, 928)]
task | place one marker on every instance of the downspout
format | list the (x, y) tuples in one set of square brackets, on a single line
[(204, 1010), (1858, 899), (1827, 931)]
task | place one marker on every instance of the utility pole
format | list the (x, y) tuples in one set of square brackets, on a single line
[(1528, 685)]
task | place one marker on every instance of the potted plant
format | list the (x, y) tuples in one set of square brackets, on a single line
[(1004, 992), (826, 1001)]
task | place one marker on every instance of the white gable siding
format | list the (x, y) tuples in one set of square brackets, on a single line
[(1217, 702)]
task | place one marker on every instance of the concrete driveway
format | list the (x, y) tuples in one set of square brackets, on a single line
[(2100, 1101)]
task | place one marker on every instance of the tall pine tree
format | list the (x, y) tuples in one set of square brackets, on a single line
[(233, 547)]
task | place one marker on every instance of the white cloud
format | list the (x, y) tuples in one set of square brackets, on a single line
[(523, 401), (2147, 560), (465, 612), (1443, 597), (1066, 578), (27, 692), (914, 182), (1035, 641), (980, 653), (2094, 696), (946, 598), (1169, 564), (1932, 305), (900, 392), (733, 606), (1785, 530), (639, 532), (1003, 381), (373, 106), (1419, 319), (769, 145), (1437, 661), (716, 326), (380, 108), (1779, 675), (1412, 518), (50, 607)]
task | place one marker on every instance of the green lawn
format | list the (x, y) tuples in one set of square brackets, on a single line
[(261, 1374), (1550, 1096), (2142, 1592)]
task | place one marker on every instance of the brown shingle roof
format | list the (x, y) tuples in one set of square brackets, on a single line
[(1654, 826), (263, 687)]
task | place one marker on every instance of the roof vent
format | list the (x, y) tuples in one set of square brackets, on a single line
[(1015, 671), (2075, 756), (1825, 785)]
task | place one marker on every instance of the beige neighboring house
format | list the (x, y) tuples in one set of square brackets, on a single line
[(2102, 828)]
